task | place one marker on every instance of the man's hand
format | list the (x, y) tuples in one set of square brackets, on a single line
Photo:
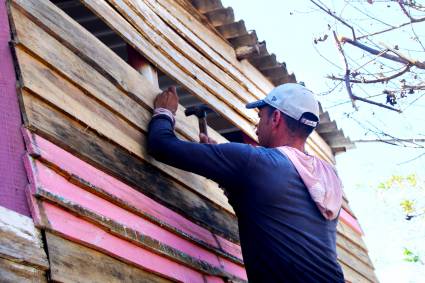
[(203, 138), (168, 99)]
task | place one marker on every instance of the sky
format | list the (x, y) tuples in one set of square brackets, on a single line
[(289, 27)]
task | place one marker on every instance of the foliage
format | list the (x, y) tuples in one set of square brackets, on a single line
[(409, 256)]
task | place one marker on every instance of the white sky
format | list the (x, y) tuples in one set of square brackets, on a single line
[(290, 37)]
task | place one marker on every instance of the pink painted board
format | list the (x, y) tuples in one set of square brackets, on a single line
[(52, 182), (350, 221), (31, 189), (88, 234), (76, 166)]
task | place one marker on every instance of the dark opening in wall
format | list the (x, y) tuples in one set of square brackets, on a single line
[(76, 10)]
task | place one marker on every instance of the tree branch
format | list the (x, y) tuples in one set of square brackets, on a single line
[(329, 12), (400, 3), (399, 58), (348, 86), (390, 29), (381, 80)]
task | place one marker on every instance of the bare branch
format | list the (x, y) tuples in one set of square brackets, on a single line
[(390, 29), (400, 3), (381, 80), (329, 12), (348, 86), (390, 140), (400, 58), (413, 159)]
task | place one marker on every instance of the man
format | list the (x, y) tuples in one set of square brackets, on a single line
[(287, 202)]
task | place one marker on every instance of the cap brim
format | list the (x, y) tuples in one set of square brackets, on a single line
[(256, 104)]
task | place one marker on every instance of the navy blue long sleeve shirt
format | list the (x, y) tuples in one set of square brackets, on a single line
[(284, 237)]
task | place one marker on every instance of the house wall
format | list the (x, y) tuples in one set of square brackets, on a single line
[(12, 174)]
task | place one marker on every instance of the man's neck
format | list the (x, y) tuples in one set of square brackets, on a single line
[(295, 143)]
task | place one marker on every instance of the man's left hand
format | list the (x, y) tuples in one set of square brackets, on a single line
[(168, 99)]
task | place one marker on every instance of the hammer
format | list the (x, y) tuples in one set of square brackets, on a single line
[(199, 111)]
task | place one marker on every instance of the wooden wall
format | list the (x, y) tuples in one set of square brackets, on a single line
[(94, 189), (22, 257)]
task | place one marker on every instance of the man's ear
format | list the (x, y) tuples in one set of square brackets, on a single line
[(276, 118)]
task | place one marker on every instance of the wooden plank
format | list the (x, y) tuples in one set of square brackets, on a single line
[(125, 110), (20, 241), (353, 249), (351, 276), (176, 66), (104, 60), (101, 184), (82, 232), (86, 144), (363, 269), (185, 36), (320, 147), (143, 240), (351, 235), (200, 30), (350, 221), (129, 226), (71, 262), (11, 271)]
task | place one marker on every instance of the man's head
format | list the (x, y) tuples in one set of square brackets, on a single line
[(288, 114)]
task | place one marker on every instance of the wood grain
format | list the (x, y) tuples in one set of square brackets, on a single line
[(176, 66), (71, 262), (188, 23), (20, 241), (12, 272), (102, 59), (89, 146), (113, 114)]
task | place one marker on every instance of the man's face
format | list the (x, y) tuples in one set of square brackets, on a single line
[(264, 127)]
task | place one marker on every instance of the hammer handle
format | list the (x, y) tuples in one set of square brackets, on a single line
[(203, 125)]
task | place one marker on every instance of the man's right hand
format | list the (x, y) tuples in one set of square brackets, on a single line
[(203, 138), (168, 99)]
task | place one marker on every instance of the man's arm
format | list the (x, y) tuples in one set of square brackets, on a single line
[(222, 163)]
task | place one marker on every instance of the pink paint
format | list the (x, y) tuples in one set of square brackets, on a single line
[(52, 182), (350, 221), (31, 190), (12, 173), (90, 235), (73, 165)]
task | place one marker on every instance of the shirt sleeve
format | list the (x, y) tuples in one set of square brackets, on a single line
[(222, 163)]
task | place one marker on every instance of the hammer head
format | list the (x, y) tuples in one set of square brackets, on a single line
[(199, 111)]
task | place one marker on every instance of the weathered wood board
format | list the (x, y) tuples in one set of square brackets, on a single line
[(71, 262), (89, 146), (22, 257), (123, 109), (12, 272)]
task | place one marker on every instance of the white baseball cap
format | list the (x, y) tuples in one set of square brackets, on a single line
[(293, 100)]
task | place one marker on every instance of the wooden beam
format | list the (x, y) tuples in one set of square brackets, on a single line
[(105, 186), (71, 262), (11, 271), (20, 241), (86, 144), (124, 109), (88, 234), (168, 59), (102, 59), (185, 21), (139, 232)]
